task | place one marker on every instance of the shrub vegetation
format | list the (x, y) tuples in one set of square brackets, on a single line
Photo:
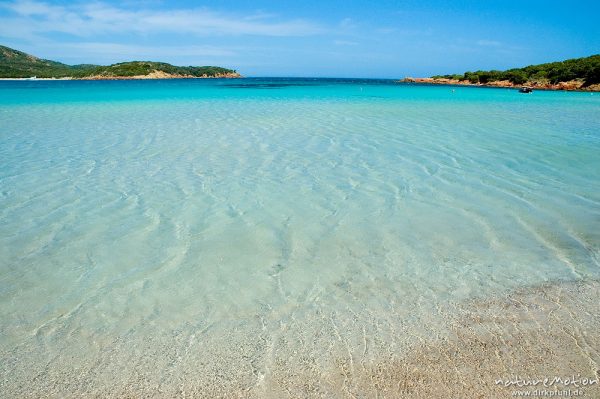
[(16, 64), (586, 69)]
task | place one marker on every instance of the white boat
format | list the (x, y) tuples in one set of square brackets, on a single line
[(526, 89)]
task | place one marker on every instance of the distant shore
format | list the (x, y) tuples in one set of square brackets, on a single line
[(152, 75), (573, 85)]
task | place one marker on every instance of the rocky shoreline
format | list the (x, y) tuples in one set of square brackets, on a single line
[(153, 75), (162, 75), (573, 85)]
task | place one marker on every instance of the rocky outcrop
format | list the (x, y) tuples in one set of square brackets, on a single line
[(572, 85), (161, 75)]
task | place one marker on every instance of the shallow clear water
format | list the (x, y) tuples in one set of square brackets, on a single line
[(144, 219)]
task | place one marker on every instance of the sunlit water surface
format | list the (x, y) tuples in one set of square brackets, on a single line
[(213, 232)]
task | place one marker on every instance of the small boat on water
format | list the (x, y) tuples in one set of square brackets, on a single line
[(526, 89)]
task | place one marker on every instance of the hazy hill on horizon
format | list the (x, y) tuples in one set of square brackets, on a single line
[(17, 64)]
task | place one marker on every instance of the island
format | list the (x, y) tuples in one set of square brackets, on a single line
[(581, 74), (16, 64)]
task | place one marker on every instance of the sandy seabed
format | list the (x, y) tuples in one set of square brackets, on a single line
[(531, 334)]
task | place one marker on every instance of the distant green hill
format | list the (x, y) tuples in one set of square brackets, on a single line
[(585, 69), (17, 64)]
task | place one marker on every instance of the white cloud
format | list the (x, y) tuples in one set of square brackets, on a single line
[(347, 23), (344, 43), (29, 8), (118, 49), (30, 18)]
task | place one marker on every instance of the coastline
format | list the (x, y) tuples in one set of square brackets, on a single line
[(154, 75), (573, 85)]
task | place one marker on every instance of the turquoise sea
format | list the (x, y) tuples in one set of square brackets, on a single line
[(220, 236)]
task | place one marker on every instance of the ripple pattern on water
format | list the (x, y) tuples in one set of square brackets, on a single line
[(181, 230)]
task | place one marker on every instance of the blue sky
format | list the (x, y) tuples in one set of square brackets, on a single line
[(352, 38)]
